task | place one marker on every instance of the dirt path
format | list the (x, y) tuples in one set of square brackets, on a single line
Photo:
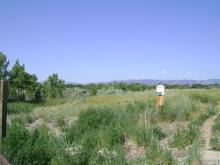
[(207, 131), (133, 151), (209, 157)]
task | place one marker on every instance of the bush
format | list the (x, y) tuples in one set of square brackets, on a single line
[(24, 147), (76, 92), (108, 91), (95, 118)]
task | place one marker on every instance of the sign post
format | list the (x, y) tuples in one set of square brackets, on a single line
[(160, 91), (3, 107)]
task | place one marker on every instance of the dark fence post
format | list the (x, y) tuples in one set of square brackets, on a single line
[(3, 107)]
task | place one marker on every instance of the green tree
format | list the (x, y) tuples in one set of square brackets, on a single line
[(53, 86), (3, 66), (21, 83)]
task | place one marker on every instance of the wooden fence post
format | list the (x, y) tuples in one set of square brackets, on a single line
[(3, 107)]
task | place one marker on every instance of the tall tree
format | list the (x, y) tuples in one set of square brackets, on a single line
[(21, 82), (53, 86), (3, 66)]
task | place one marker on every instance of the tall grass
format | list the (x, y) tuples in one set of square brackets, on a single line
[(157, 155), (99, 128), (178, 108), (185, 137), (191, 134), (24, 147), (203, 96), (194, 154), (21, 107), (215, 141), (99, 134)]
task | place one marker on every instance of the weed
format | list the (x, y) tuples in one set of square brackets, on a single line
[(156, 155), (194, 154)]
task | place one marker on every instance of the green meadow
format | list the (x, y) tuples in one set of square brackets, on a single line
[(123, 128)]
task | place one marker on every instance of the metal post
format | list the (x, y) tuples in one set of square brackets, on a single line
[(3, 107)]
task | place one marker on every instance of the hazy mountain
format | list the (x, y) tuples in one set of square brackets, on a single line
[(173, 82), (155, 81)]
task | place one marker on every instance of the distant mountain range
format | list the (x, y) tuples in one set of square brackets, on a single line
[(169, 82), (172, 82)]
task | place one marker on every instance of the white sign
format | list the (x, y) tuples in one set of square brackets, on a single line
[(160, 90)]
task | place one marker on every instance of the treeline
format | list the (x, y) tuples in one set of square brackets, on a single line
[(95, 88), (193, 86), (25, 86)]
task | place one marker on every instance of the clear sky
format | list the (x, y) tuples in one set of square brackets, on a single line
[(102, 40)]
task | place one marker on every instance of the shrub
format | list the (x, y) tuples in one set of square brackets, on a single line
[(24, 147), (76, 92), (108, 91), (96, 122), (95, 118)]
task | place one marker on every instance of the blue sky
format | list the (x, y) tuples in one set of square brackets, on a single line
[(102, 40)]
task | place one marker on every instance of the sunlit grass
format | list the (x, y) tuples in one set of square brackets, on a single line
[(101, 122)]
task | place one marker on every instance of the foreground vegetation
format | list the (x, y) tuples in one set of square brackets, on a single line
[(115, 123), (96, 129)]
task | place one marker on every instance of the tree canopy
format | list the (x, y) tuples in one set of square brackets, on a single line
[(20, 81), (53, 86)]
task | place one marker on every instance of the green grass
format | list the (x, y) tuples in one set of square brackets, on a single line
[(179, 108), (98, 134), (191, 134), (17, 107), (185, 137), (108, 123), (21, 107), (156, 155), (204, 97), (24, 147), (215, 141), (194, 154)]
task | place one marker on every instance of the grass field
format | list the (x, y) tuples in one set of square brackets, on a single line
[(121, 128)]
